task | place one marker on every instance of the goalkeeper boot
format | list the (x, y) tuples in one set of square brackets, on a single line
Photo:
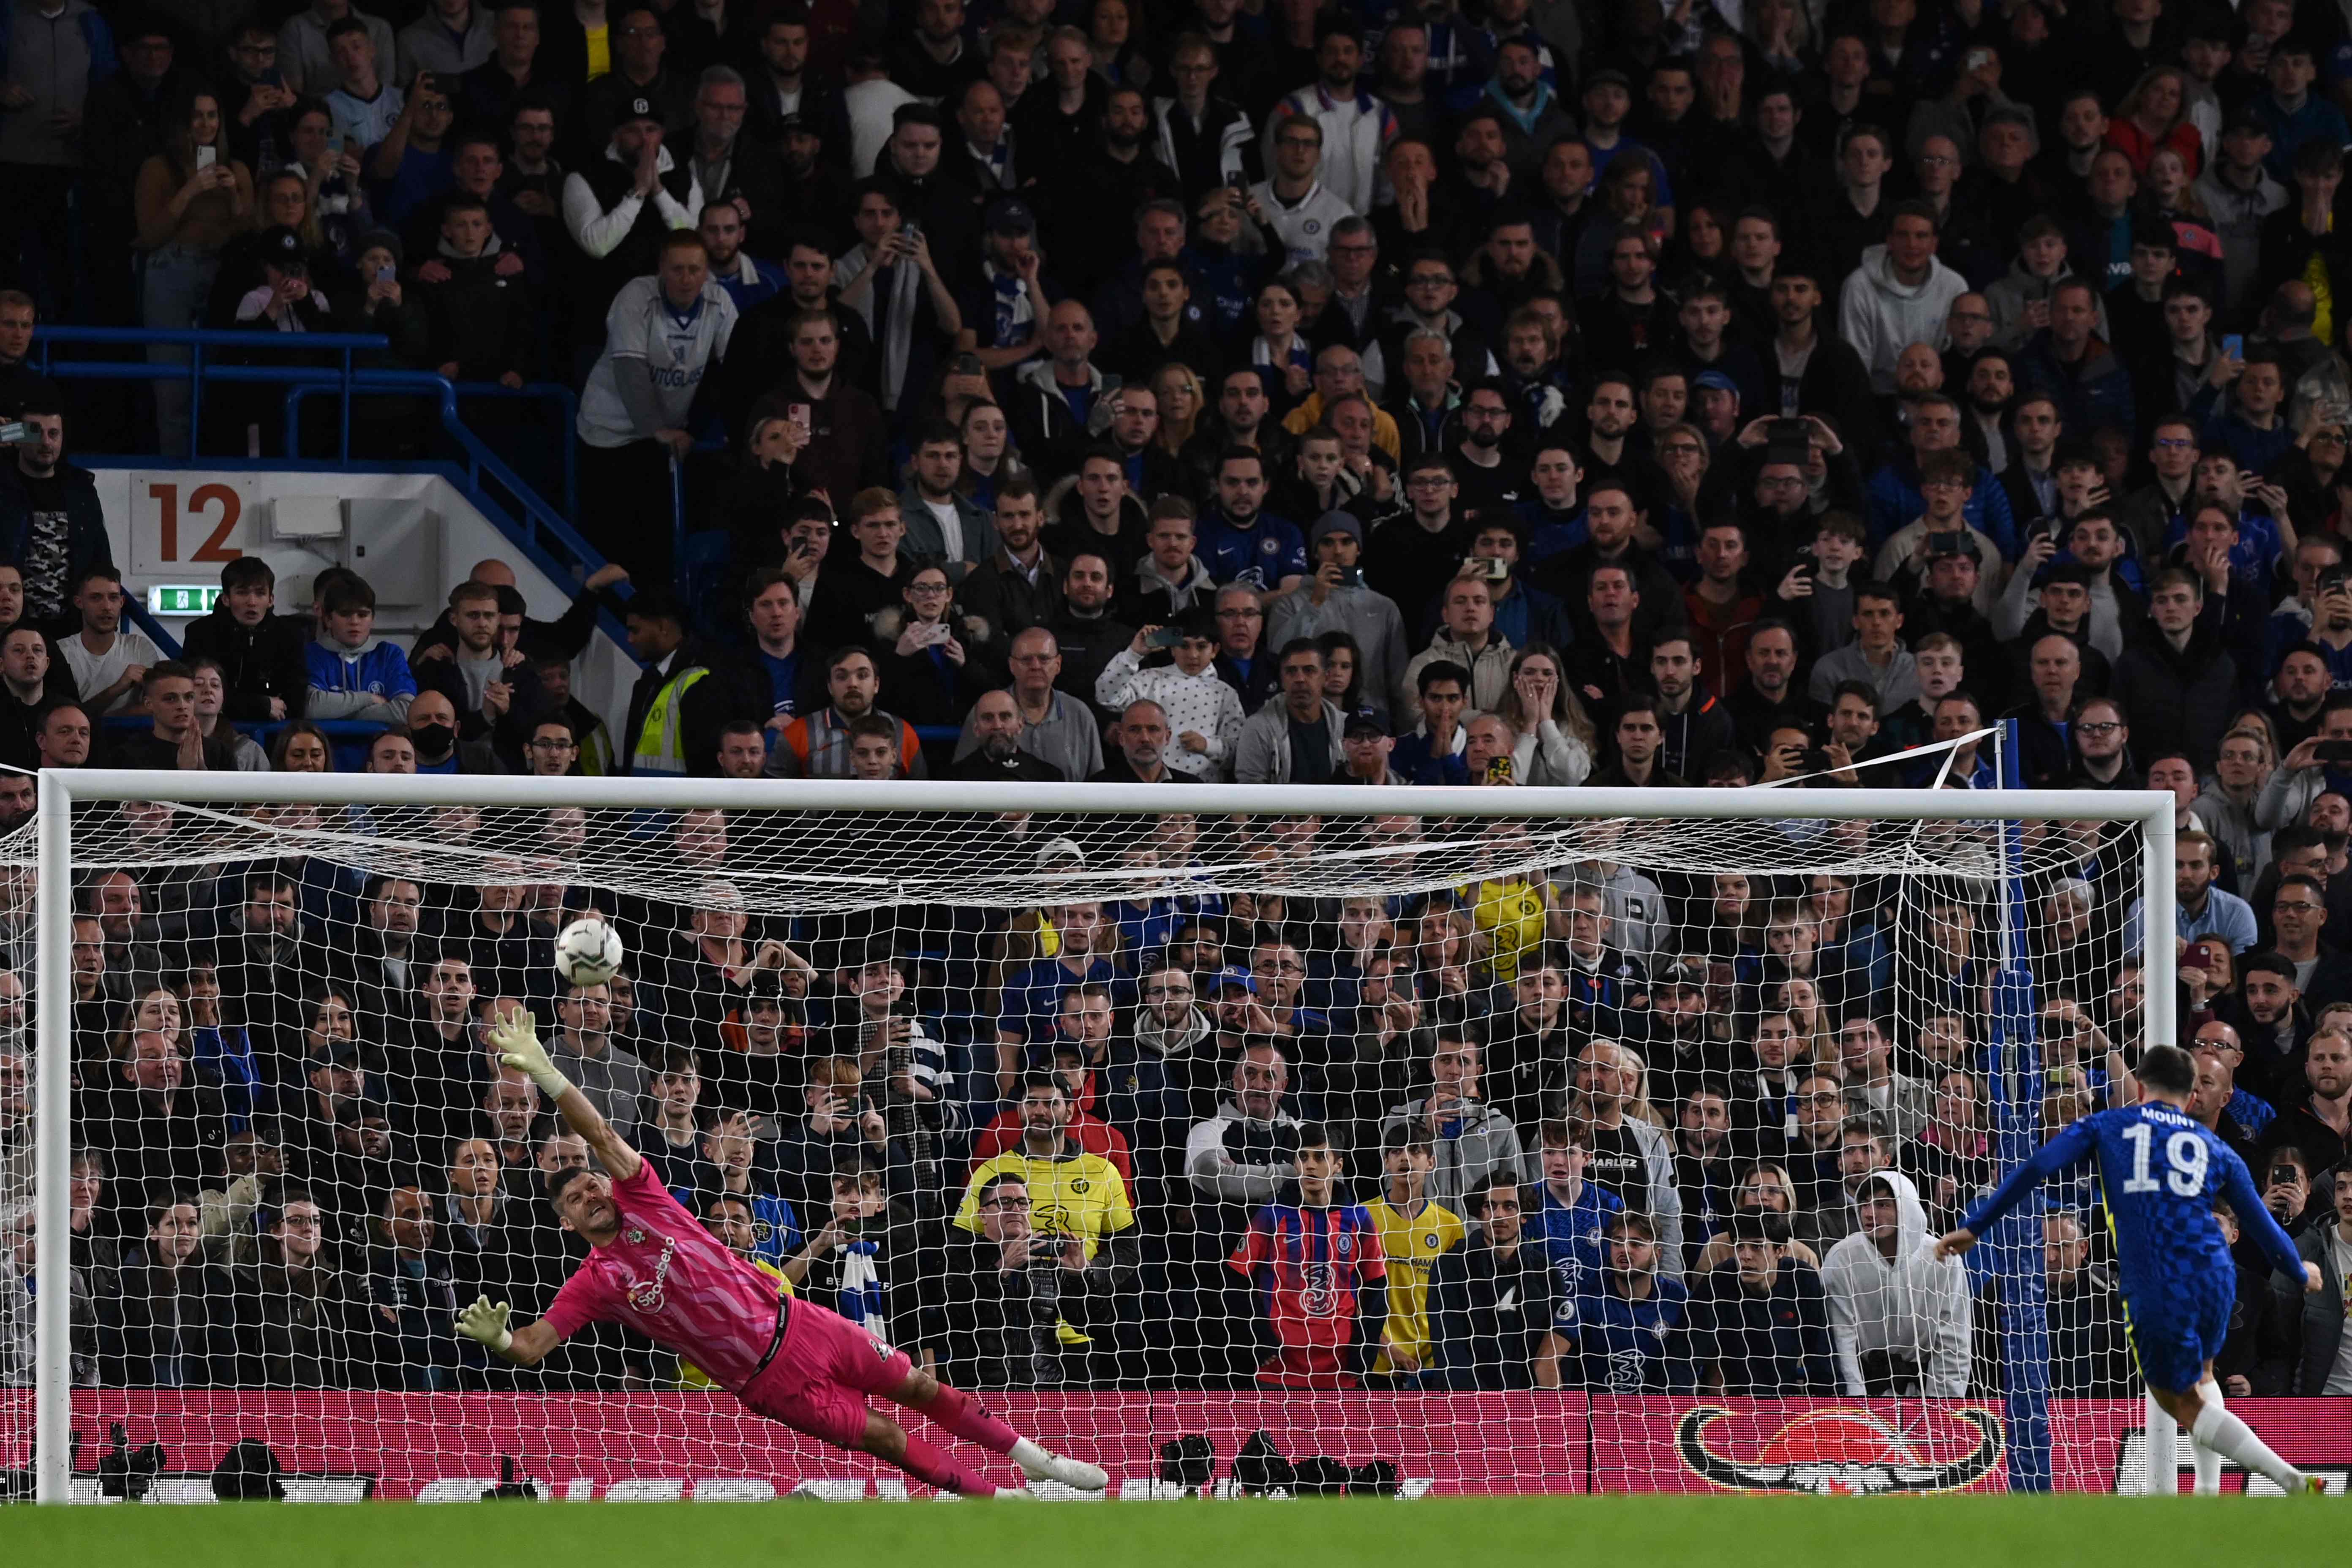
[(2314, 1486), (1073, 1473)]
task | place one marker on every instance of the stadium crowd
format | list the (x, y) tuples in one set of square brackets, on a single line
[(1558, 394)]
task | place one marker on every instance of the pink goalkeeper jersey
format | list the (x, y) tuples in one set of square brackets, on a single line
[(675, 1283)]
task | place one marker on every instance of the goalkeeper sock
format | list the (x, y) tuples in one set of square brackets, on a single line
[(2160, 1474), (961, 1414), (2232, 1438), (928, 1464)]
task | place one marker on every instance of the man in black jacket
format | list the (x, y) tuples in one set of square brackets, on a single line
[(1020, 584), (1760, 1321), (174, 1323), (177, 741), (51, 524), (639, 76), (2176, 679), (259, 651), (565, 637), (997, 718), (31, 677), (480, 315), (1493, 1300), (619, 205), (1006, 1293), (2306, 1357), (1945, 600)]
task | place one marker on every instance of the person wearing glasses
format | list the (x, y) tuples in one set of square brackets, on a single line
[(637, 46), (1493, 477), (2102, 745), (1295, 211), (256, 106), (552, 751), (1008, 1292), (1409, 556), (1243, 662), (2298, 910)]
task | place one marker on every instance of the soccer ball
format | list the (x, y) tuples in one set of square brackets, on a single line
[(588, 951)]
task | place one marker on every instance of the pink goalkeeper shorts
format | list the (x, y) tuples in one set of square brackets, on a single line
[(819, 1380)]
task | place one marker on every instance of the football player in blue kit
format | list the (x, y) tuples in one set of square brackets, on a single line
[(2160, 1173)]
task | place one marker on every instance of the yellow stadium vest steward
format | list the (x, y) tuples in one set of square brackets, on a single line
[(596, 760), (661, 749)]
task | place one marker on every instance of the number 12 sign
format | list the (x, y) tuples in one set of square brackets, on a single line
[(186, 519)]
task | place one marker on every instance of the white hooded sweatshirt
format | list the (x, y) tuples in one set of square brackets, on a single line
[(1913, 1305), (1880, 316)]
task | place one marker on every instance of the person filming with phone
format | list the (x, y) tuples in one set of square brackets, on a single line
[(1203, 714), (841, 1121), (2321, 762), (1336, 599)]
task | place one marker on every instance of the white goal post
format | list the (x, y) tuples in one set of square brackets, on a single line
[(2148, 815)]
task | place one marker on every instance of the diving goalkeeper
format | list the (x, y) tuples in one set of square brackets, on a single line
[(653, 1267)]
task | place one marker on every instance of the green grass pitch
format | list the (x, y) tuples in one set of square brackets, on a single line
[(1722, 1532)]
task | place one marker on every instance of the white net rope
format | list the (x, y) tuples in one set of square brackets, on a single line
[(1154, 1126)]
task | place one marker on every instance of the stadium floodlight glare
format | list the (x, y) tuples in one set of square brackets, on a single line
[(915, 867)]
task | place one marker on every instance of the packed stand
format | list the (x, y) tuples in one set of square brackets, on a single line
[(1560, 396)]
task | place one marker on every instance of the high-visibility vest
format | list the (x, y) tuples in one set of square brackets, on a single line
[(596, 759), (661, 745)]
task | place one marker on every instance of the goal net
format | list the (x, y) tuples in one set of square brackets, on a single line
[(1255, 1140)]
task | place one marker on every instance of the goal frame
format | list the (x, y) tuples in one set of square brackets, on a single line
[(2152, 811)]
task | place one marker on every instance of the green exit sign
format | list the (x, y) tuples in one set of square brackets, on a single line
[(182, 600)]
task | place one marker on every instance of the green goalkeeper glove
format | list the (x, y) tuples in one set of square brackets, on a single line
[(517, 1040), (486, 1324)]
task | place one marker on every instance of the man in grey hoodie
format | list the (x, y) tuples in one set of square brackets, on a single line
[(1899, 296), (1169, 579), (1298, 737), (1472, 1140)]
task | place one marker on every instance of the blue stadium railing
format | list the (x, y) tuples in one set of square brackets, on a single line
[(542, 532), (203, 364), (344, 379)]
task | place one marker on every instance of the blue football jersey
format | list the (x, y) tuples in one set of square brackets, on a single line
[(2160, 1172), (1260, 555)]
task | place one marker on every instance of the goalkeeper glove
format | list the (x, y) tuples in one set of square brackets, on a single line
[(484, 1325), (517, 1040)]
